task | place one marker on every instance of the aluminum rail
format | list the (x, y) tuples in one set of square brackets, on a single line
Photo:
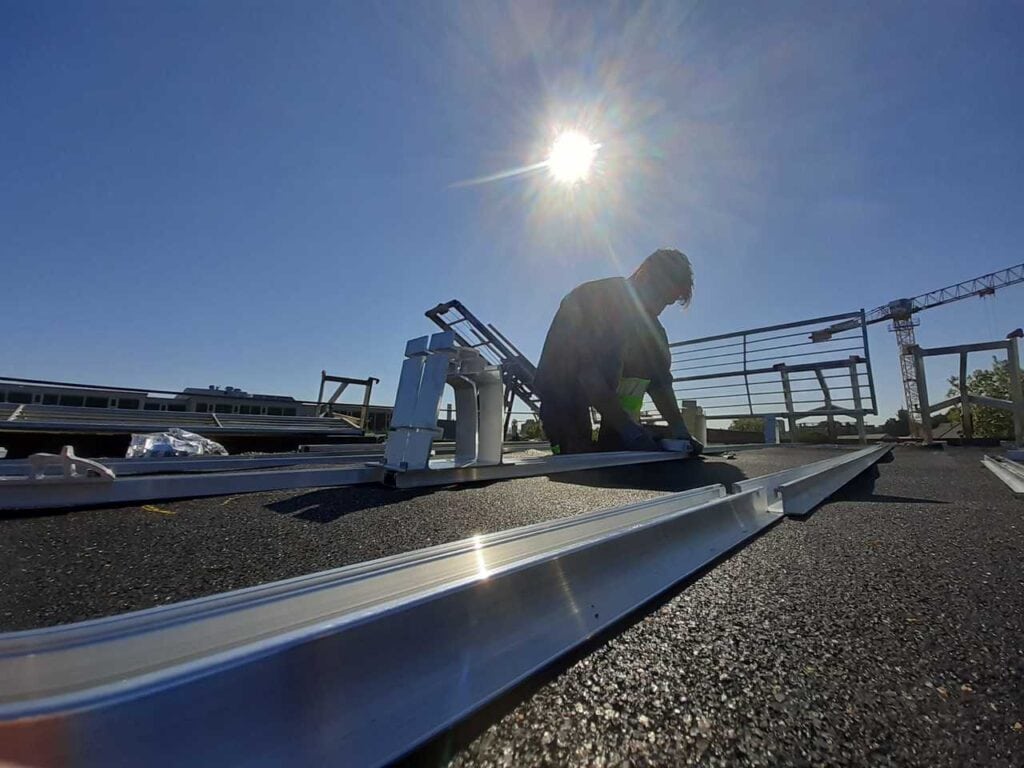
[(446, 472), (21, 491), (798, 490), (164, 465), (1010, 472), (59, 492), (358, 665), (321, 670)]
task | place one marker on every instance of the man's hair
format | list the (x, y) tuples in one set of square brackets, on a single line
[(667, 266)]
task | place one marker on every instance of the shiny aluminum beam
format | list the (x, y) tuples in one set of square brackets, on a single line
[(1010, 472), (354, 666), (798, 490)]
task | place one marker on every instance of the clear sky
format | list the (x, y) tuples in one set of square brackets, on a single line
[(243, 193)]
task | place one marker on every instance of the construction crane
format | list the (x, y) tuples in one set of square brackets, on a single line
[(901, 312)]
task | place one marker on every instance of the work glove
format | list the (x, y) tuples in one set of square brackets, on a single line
[(696, 446), (636, 438)]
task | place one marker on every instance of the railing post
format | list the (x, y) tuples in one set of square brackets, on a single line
[(787, 393), (966, 421), (858, 405), (1016, 395), (364, 416), (922, 395)]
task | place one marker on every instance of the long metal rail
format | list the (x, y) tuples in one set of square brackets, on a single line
[(1010, 472), (358, 665), (199, 477)]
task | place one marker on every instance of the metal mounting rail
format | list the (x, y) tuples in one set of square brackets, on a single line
[(22, 491), (358, 665), (798, 490), (163, 465), (1010, 472)]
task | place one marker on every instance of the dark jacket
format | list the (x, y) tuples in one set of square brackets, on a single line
[(601, 326)]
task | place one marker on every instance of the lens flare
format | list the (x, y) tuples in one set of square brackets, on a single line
[(571, 157)]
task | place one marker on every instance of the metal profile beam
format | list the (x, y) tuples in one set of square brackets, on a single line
[(323, 664), (59, 492), (165, 465), (798, 490), (199, 477), (446, 472), (1010, 472)]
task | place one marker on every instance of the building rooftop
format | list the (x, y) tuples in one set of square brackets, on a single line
[(885, 628)]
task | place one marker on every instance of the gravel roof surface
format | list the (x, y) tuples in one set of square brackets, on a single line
[(60, 567), (885, 629)]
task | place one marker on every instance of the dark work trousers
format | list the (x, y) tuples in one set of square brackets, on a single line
[(566, 422), (567, 425)]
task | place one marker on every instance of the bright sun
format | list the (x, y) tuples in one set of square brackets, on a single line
[(571, 157)]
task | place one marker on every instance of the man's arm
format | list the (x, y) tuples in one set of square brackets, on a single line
[(664, 399)]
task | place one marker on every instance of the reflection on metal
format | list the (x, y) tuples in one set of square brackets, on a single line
[(1010, 472), (322, 664), (1015, 405), (798, 490)]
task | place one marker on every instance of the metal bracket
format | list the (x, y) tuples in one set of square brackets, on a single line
[(430, 364), (72, 468)]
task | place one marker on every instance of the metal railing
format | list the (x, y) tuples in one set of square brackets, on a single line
[(791, 371)]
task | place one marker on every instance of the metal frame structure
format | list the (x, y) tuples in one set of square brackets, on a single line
[(517, 371), (753, 372), (964, 398), (901, 312), (326, 408), (321, 663)]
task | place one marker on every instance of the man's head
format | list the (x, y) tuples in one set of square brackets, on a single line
[(664, 277)]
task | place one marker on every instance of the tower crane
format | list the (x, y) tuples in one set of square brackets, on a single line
[(901, 312)]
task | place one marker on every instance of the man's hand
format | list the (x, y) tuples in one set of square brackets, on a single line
[(636, 438), (678, 431)]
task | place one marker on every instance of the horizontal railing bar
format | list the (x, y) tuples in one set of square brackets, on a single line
[(765, 329)]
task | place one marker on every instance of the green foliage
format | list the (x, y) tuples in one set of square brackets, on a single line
[(991, 382), (531, 430), (748, 424)]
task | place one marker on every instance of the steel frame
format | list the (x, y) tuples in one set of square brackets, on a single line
[(322, 665), (1015, 405)]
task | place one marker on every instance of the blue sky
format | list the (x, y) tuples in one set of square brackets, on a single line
[(244, 193)]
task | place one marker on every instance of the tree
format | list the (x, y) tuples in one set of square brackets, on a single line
[(993, 382), (898, 427), (531, 430), (747, 424)]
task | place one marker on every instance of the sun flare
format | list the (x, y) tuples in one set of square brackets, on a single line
[(571, 157)]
